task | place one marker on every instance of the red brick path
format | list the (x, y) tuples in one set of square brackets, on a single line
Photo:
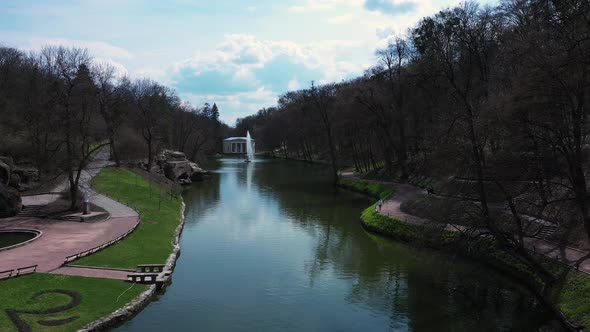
[(59, 240)]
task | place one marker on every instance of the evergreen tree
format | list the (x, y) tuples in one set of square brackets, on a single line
[(214, 112)]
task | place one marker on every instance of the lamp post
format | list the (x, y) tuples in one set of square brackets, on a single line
[(87, 201)]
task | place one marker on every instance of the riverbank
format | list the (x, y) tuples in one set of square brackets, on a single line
[(53, 298), (571, 296), (297, 158), (40, 301), (160, 214), (162, 219)]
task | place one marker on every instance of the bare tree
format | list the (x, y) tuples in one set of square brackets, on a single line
[(75, 92), (151, 102), (322, 99), (111, 98), (394, 59)]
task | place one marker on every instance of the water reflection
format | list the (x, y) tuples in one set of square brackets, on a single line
[(273, 246)]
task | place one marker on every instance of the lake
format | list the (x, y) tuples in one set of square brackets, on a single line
[(272, 246)]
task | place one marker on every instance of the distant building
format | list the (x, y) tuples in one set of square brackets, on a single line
[(237, 145)]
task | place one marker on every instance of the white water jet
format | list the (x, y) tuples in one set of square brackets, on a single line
[(249, 150)]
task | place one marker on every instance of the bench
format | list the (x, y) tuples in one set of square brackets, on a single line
[(142, 277), (6, 274), (18, 272), (150, 267), (26, 270)]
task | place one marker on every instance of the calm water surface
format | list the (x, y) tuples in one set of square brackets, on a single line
[(272, 246)]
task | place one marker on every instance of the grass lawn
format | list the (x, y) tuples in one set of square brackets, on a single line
[(97, 298), (373, 189), (151, 242), (574, 298)]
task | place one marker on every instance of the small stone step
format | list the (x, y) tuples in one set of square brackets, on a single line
[(30, 211), (546, 231), (80, 217)]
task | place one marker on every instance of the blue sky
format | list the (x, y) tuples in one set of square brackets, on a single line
[(241, 54)]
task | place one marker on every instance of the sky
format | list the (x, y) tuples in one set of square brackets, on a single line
[(240, 54)]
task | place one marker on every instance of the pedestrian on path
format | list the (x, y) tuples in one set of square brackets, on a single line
[(379, 204)]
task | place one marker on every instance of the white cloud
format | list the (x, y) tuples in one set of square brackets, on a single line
[(244, 62), (98, 49), (245, 73), (235, 106), (341, 19), (322, 5), (120, 69), (293, 85)]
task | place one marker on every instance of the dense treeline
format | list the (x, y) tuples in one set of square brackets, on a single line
[(57, 107), (493, 95)]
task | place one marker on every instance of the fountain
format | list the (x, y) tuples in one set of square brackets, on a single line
[(249, 150)]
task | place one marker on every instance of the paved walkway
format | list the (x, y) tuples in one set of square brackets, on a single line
[(568, 255), (392, 206), (59, 240), (64, 238), (91, 272)]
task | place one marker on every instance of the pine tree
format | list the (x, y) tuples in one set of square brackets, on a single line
[(214, 112)]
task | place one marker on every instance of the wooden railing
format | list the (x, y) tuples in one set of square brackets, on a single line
[(100, 247), (17, 272)]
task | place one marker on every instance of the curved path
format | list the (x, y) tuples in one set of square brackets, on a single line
[(392, 206), (64, 238), (403, 192), (59, 240)]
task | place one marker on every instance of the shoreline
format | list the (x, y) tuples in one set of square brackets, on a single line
[(481, 251), (131, 309)]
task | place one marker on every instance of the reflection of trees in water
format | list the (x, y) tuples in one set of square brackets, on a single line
[(306, 194), (424, 290), (429, 292), (417, 290), (201, 197)]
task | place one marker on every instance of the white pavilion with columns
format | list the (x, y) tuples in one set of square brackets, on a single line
[(237, 145)]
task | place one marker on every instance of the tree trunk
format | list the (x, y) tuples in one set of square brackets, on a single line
[(403, 152), (333, 160), (581, 197), (114, 154), (73, 194), (149, 164)]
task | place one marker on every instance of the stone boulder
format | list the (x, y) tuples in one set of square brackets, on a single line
[(177, 168), (14, 180), (27, 173), (8, 161), (5, 172), (169, 171), (197, 173), (10, 201)]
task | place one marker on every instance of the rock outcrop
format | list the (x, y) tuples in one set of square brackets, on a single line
[(5, 172), (176, 167), (10, 201)]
